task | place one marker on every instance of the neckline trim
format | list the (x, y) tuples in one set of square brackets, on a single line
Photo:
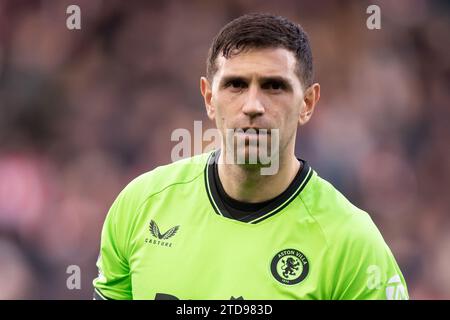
[(270, 208)]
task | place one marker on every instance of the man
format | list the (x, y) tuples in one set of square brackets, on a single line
[(211, 227)]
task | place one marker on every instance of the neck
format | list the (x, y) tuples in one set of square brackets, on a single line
[(246, 184)]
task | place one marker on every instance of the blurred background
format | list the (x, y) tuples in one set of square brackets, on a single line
[(82, 112)]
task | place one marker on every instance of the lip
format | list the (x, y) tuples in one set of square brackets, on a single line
[(254, 131)]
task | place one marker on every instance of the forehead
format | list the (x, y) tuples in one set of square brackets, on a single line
[(259, 62)]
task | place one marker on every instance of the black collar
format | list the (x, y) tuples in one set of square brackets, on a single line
[(253, 213)]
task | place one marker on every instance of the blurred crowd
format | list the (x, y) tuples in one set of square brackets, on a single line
[(82, 112)]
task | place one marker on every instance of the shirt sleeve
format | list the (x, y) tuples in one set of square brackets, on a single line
[(367, 269), (113, 280)]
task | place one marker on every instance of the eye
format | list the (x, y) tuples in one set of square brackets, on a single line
[(273, 85), (236, 84)]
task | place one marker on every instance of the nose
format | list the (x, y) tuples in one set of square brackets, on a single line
[(253, 105)]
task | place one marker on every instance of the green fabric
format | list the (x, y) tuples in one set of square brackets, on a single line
[(334, 250)]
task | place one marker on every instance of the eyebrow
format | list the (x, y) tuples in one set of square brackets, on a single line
[(226, 79)]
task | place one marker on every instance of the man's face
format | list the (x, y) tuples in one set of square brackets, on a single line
[(256, 89)]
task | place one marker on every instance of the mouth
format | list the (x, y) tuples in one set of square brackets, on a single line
[(252, 131)]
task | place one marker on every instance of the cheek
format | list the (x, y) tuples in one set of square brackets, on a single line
[(224, 106), (219, 116), (287, 119), (287, 112), (227, 101)]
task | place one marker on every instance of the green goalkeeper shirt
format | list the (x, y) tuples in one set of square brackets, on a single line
[(172, 233)]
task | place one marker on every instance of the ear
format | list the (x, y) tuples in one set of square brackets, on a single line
[(310, 99), (205, 88)]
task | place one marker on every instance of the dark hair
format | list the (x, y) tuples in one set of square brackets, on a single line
[(262, 31)]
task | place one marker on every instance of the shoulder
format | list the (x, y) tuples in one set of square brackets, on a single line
[(161, 178), (182, 171), (340, 220), (359, 263)]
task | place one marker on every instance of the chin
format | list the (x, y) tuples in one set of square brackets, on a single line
[(249, 156)]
